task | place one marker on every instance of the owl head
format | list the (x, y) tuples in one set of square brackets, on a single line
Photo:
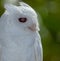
[(23, 16)]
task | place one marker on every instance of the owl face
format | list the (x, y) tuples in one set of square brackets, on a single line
[(23, 16)]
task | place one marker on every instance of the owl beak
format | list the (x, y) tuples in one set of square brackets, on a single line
[(32, 27)]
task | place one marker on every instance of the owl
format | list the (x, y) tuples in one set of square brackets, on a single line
[(19, 36)]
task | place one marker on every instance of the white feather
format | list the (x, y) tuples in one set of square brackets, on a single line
[(17, 41), (24, 4)]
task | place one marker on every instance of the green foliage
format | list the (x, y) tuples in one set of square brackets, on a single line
[(1, 7)]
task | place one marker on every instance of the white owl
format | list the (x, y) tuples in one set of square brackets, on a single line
[(19, 37)]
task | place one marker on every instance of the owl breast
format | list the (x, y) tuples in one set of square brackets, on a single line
[(18, 48)]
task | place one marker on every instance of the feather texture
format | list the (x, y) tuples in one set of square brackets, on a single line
[(18, 41)]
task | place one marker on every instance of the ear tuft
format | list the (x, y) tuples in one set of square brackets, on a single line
[(10, 7), (24, 4)]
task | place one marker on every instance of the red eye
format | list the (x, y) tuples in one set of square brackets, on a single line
[(23, 20)]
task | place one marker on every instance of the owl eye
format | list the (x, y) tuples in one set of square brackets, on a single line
[(23, 20)]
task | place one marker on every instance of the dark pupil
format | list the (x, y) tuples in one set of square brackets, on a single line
[(22, 20)]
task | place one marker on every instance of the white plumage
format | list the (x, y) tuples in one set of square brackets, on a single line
[(19, 37)]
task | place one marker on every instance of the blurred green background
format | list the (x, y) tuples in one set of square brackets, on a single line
[(49, 19)]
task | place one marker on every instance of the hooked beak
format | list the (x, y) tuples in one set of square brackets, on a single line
[(32, 27)]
